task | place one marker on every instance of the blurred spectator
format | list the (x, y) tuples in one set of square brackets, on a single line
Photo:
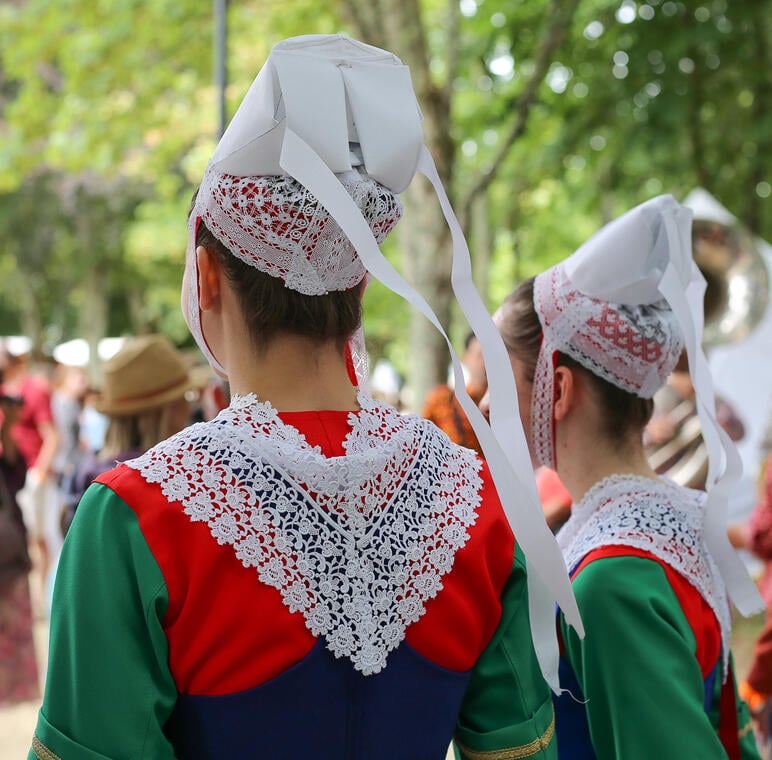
[(554, 497), (93, 424), (37, 439), (210, 394), (757, 687), (144, 399), (69, 390), (18, 666), (386, 383), (441, 405)]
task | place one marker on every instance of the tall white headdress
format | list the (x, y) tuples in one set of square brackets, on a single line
[(624, 305), (340, 119)]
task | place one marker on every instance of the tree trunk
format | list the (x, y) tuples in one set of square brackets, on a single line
[(426, 263), (398, 26), (93, 318), (423, 234)]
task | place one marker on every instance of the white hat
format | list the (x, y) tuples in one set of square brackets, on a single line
[(341, 119), (76, 352), (623, 306), (17, 345), (72, 353)]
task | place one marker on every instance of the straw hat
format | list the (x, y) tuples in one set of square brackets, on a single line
[(145, 374)]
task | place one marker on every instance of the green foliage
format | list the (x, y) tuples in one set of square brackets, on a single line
[(108, 115)]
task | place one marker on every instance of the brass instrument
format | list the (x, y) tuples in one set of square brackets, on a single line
[(735, 301), (736, 275)]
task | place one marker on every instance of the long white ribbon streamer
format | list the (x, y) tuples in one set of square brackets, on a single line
[(724, 463)]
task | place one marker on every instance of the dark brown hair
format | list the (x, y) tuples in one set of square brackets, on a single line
[(270, 308), (623, 412)]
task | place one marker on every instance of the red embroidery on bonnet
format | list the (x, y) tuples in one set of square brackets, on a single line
[(618, 331)]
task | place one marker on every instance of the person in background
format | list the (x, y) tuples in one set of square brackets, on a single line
[(18, 663), (756, 689), (93, 424), (37, 440), (441, 405), (144, 400), (386, 384), (215, 397), (653, 676), (554, 496), (210, 395), (70, 385), (311, 573)]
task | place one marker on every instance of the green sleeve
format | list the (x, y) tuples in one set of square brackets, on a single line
[(747, 738), (507, 710), (636, 665), (108, 691)]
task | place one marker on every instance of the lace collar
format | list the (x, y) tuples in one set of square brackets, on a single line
[(357, 543), (657, 516)]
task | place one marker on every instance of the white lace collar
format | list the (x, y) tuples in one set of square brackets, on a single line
[(356, 543), (657, 516)]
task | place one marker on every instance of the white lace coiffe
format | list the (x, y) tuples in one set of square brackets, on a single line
[(656, 516), (276, 225), (632, 347), (357, 544)]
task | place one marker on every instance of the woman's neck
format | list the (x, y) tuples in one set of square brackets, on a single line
[(589, 464), (294, 374)]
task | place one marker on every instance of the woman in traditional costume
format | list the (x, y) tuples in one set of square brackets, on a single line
[(590, 341), (310, 574)]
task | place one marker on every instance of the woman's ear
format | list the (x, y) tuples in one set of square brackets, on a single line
[(209, 278), (565, 391)]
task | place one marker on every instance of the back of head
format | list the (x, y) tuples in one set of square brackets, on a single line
[(602, 309), (622, 413), (291, 266), (352, 108)]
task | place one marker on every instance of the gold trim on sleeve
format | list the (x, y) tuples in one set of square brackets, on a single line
[(41, 751), (745, 730), (512, 753)]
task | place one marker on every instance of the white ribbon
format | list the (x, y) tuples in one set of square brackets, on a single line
[(685, 297)]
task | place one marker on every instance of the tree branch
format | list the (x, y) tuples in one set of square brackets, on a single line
[(406, 37), (454, 39), (561, 14)]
